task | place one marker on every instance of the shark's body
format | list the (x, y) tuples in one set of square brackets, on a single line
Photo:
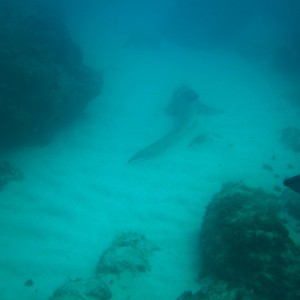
[(184, 108)]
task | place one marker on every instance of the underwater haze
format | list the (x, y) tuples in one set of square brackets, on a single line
[(144, 145)]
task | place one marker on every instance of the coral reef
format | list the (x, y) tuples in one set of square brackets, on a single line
[(8, 173), (43, 81), (129, 252), (83, 289), (290, 136), (245, 243)]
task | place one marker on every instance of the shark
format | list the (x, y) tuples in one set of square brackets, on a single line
[(183, 108)]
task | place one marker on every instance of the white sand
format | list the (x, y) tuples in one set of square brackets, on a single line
[(80, 191)]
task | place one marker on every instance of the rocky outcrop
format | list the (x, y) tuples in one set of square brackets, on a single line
[(44, 83), (245, 243)]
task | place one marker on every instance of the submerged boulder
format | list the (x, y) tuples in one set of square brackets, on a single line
[(245, 243), (44, 83), (129, 252), (83, 289)]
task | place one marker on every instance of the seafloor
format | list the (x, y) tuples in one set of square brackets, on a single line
[(80, 191)]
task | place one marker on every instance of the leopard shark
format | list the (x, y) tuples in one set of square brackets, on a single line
[(183, 108)]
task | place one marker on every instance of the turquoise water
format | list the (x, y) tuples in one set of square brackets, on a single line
[(79, 191)]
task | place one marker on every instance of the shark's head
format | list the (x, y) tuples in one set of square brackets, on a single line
[(182, 98)]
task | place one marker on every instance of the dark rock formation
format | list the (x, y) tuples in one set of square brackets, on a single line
[(220, 290), (43, 81), (291, 202), (245, 243)]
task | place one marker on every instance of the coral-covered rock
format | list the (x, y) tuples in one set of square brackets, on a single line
[(43, 81), (245, 243), (129, 252), (83, 289)]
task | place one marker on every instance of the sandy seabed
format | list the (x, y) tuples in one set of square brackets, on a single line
[(80, 191)]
